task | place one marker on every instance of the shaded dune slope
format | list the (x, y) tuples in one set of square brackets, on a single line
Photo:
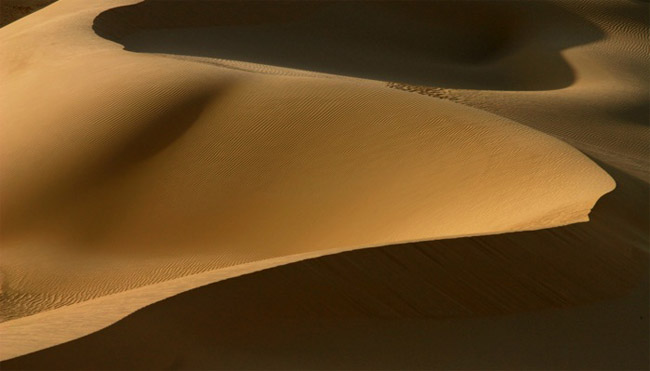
[(459, 44)]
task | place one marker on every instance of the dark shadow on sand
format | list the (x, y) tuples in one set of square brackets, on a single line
[(499, 45)]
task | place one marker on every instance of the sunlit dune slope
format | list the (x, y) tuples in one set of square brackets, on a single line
[(232, 164)]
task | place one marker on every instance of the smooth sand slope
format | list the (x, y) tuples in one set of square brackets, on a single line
[(123, 170)]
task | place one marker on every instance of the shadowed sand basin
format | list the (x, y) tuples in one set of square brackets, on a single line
[(484, 45), (132, 176)]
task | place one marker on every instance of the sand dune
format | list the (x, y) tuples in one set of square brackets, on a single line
[(522, 296), (12, 10), (537, 47), (131, 176)]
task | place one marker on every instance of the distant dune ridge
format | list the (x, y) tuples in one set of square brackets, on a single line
[(149, 148), (12, 10)]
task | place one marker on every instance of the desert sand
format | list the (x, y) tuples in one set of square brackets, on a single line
[(153, 147)]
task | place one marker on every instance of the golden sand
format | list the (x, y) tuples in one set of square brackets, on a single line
[(199, 153)]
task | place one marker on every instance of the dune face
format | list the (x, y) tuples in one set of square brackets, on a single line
[(149, 148), (455, 303)]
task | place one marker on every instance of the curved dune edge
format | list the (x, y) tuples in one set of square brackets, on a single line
[(559, 208), (77, 320), (71, 322), (74, 321), (537, 292)]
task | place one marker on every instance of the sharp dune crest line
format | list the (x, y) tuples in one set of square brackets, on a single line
[(129, 176)]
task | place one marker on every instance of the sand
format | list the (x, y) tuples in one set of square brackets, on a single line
[(12, 10), (153, 147)]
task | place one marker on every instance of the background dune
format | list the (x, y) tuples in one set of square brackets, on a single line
[(219, 152), (12, 10), (482, 45), (596, 52)]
